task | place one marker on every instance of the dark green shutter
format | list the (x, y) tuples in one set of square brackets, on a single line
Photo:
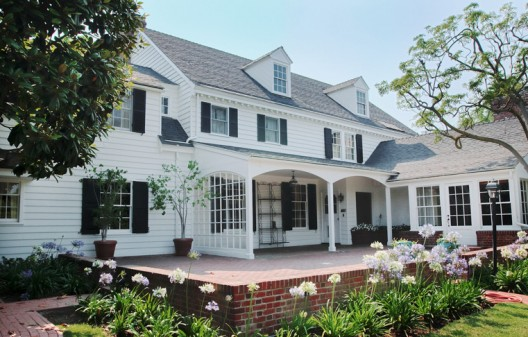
[(139, 103), (328, 143), (206, 117), (359, 149), (312, 207), (283, 131), (261, 128), (233, 122), (140, 209), (287, 206), (90, 193), (255, 209)]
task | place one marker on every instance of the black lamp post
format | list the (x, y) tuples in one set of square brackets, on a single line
[(493, 188)]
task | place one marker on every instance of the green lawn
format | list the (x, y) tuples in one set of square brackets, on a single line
[(503, 320), (83, 330)]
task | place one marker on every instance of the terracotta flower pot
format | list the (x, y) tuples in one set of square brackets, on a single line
[(105, 250), (182, 246)]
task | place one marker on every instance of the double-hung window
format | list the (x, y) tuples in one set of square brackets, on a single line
[(219, 121), (350, 147), (123, 204), (279, 78), (299, 206), (122, 118), (272, 130), (10, 201), (336, 144), (164, 105), (361, 103), (524, 200), (503, 204), (429, 207)]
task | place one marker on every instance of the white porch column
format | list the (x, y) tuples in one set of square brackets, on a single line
[(249, 217), (388, 206), (331, 225)]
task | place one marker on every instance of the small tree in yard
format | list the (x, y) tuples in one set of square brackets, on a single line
[(470, 68), (179, 189)]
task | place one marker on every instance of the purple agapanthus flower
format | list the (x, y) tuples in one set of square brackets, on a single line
[(77, 243), (212, 306), (49, 245), (26, 273)]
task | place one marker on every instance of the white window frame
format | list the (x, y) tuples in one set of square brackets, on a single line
[(336, 144), (349, 146), (524, 200), (300, 206), (215, 122), (503, 203), (430, 204), (164, 105), (8, 194), (124, 121), (361, 99), (280, 78), (272, 135), (123, 195)]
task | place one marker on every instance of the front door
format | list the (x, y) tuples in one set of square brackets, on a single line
[(459, 217), (363, 208)]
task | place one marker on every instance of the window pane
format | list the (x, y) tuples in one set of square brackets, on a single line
[(429, 210), (121, 118), (9, 200), (219, 120), (272, 129)]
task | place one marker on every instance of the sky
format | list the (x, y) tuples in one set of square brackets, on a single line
[(328, 40)]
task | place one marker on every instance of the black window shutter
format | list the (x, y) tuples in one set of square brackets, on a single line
[(206, 117), (287, 206), (233, 122), (139, 103), (359, 148), (283, 131), (90, 192), (261, 128), (140, 207), (255, 210), (312, 207), (328, 143)]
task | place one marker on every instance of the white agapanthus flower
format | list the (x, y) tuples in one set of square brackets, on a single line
[(334, 278), (308, 287), (177, 276), (207, 288)]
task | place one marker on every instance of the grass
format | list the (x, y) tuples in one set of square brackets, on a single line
[(83, 330), (502, 320)]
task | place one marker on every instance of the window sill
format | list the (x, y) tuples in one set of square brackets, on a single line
[(11, 224)]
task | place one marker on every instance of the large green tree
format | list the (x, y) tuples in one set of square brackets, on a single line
[(63, 67), (465, 71)]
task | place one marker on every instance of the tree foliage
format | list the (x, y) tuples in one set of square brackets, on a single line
[(466, 71), (63, 67)]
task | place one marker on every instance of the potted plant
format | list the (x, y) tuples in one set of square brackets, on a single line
[(365, 234), (181, 190), (449, 241), (107, 184)]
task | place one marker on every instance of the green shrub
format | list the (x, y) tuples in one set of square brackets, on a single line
[(400, 309), (460, 298), (335, 323), (513, 277)]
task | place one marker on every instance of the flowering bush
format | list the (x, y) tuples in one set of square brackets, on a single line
[(366, 227)]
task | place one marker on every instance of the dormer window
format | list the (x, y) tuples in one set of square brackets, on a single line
[(361, 103), (279, 78)]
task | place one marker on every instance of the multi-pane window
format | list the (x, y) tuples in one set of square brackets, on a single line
[(122, 118), (361, 103), (272, 129), (503, 204), (10, 200), (524, 200), (279, 78), (228, 202), (219, 122), (429, 208), (349, 147), (165, 105), (459, 206), (336, 144), (123, 205), (299, 206)]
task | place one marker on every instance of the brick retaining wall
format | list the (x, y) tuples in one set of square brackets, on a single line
[(484, 238)]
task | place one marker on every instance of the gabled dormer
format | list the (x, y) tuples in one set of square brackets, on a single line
[(352, 95), (272, 71)]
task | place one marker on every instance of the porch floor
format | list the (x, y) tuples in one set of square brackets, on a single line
[(271, 264)]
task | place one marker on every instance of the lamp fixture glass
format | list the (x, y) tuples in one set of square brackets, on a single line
[(492, 187), (293, 180)]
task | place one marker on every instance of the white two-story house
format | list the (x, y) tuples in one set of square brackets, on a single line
[(290, 160)]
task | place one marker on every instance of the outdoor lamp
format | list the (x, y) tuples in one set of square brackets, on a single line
[(493, 188), (293, 180)]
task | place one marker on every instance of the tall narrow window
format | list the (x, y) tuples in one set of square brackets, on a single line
[(219, 120), (123, 204), (228, 202), (9, 200), (524, 200), (279, 78), (350, 148), (336, 144), (299, 206), (122, 118), (361, 103), (165, 105), (272, 129), (503, 203), (428, 202)]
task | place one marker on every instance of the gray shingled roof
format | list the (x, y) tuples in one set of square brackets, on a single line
[(422, 157), (211, 67), (172, 132), (148, 77)]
